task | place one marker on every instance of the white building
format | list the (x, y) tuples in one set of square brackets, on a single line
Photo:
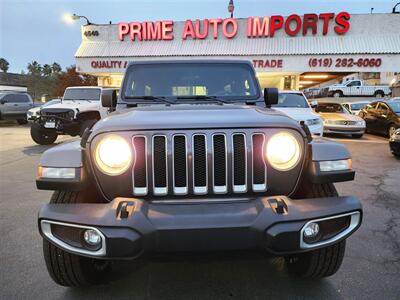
[(289, 52)]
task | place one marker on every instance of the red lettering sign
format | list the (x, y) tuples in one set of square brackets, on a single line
[(257, 27)]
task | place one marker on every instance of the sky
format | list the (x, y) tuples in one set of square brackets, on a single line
[(36, 30)]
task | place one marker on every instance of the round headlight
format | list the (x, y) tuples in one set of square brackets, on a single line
[(113, 155), (283, 151)]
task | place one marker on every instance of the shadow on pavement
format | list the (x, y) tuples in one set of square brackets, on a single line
[(204, 278)]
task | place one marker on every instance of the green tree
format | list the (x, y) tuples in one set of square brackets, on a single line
[(34, 68), (4, 65), (46, 70), (56, 68)]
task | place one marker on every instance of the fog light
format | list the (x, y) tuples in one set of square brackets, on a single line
[(311, 230), (92, 237)]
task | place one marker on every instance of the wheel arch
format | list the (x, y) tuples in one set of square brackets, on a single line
[(88, 115)]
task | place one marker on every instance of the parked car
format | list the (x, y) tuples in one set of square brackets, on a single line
[(14, 106), (358, 88), (338, 120), (199, 162), (355, 107), (295, 105), (394, 143), (382, 117), (79, 109), (32, 114)]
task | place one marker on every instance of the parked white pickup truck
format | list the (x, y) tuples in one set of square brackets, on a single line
[(358, 88)]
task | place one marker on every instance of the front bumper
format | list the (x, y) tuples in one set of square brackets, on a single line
[(340, 129), (131, 227)]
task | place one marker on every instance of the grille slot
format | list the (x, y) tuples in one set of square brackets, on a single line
[(159, 156), (201, 163), (239, 163), (219, 164), (259, 168), (180, 165), (140, 166), (200, 169)]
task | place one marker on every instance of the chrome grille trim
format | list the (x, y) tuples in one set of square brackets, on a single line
[(200, 190), (140, 191), (160, 191), (199, 150), (220, 189), (262, 187), (179, 190), (239, 188)]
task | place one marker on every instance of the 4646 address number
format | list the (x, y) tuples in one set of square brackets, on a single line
[(345, 62)]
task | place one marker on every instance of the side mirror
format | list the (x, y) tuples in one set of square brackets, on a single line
[(109, 98), (270, 96), (313, 104)]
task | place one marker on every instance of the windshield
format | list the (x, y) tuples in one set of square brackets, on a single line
[(330, 108), (291, 100), (82, 94), (395, 106), (233, 81), (358, 106)]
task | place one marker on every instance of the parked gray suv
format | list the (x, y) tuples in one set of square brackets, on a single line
[(14, 106), (194, 159)]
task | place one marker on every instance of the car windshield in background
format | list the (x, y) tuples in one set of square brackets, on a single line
[(330, 108), (395, 106), (82, 94), (358, 106), (52, 102), (291, 100), (224, 81)]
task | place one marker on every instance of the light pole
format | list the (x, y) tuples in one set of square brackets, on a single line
[(394, 9), (76, 17), (231, 7)]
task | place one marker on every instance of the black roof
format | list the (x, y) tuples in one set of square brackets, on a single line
[(191, 61)]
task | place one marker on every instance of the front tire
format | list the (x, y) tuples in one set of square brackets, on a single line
[(338, 94), (69, 269), (322, 262), (41, 136)]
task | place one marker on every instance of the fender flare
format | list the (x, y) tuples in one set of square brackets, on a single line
[(88, 115)]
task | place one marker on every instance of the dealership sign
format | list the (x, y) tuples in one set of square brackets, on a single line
[(256, 27)]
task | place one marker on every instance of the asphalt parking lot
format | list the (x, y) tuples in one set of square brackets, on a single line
[(371, 268)]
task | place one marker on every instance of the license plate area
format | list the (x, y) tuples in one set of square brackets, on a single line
[(50, 125)]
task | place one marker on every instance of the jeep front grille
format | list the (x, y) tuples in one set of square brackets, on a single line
[(65, 114), (199, 163)]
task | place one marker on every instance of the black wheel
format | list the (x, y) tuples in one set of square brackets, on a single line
[(22, 121), (391, 130), (321, 262), (338, 94), (379, 94), (69, 269), (357, 136), (42, 136), (86, 124)]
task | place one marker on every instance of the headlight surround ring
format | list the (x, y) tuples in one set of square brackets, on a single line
[(283, 151), (113, 155)]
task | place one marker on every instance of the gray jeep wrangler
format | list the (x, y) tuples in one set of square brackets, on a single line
[(193, 159)]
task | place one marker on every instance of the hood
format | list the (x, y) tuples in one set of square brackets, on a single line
[(340, 117), (298, 114), (193, 116), (82, 105)]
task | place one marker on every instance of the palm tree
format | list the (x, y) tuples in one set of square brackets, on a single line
[(4, 65), (56, 68), (34, 68), (46, 70)]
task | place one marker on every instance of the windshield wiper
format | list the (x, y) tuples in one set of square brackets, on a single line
[(163, 99), (200, 97)]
